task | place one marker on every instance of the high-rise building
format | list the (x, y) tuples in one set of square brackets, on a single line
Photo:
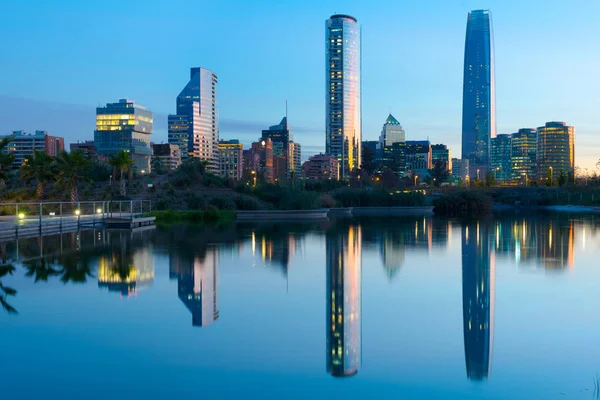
[(24, 144), (259, 159), (460, 170), (500, 163), (294, 159), (195, 126), (343, 125), (479, 99), (478, 290), (230, 159), (169, 155), (524, 156), (393, 156), (322, 166), (556, 150), (441, 153), (280, 136), (126, 126), (344, 264), (418, 156), (391, 133)]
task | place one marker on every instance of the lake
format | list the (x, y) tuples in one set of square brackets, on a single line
[(418, 307)]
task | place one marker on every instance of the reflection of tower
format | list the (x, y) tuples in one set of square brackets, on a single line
[(197, 287), (478, 280), (343, 302), (392, 253)]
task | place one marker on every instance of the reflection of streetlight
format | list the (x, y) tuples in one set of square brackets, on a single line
[(551, 176), (416, 177), (477, 174)]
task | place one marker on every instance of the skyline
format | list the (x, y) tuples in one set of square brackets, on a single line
[(529, 94)]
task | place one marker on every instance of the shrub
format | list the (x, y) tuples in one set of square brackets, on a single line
[(247, 203), (327, 201), (462, 204), (223, 203), (194, 201)]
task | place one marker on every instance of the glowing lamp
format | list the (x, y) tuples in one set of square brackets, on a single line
[(21, 215), (98, 211), (77, 212)]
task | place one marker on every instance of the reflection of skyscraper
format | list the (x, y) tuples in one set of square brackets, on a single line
[(197, 287), (343, 301), (392, 253), (478, 280)]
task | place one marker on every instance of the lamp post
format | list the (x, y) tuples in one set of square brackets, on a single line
[(416, 177), (254, 177), (551, 177)]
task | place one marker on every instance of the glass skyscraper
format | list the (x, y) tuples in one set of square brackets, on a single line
[(479, 103), (524, 155), (500, 158), (556, 150), (343, 127), (127, 126), (195, 127)]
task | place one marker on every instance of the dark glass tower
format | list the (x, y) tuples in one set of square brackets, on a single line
[(479, 102), (478, 284)]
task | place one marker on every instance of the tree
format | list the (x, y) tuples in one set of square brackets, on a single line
[(39, 168), (562, 179), (439, 173), (549, 177), (6, 159), (122, 162), (72, 169), (490, 180), (6, 291)]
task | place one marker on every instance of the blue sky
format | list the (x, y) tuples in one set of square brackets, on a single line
[(61, 59)]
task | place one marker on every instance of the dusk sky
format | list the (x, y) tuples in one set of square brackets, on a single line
[(60, 59)]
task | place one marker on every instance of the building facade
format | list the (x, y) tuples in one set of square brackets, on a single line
[(322, 166), (556, 150), (195, 126), (524, 156), (460, 170), (343, 124), (479, 98), (168, 155), (501, 158), (259, 159), (86, 147), (231, 159), (126, 126), (280, 136), (418, 156), (392, 132), (294, 159), (24, 144), (441, 153)]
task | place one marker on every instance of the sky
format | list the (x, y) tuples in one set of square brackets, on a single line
[(61, 59)]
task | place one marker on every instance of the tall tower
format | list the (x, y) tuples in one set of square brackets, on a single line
[(479, 98), (195, 126), (343, 126)]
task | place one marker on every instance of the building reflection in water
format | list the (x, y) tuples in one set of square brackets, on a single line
[(128, 264), (343, 248), (197, 282), (478, 283)]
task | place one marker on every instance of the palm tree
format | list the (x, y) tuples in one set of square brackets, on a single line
[(122, 162), (72, 169), (38, 168), (6, 291), (6, 159)]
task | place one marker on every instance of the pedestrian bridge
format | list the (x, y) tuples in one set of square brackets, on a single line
[(44, 218)]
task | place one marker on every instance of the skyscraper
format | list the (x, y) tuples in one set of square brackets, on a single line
[(556, 150), (500, 157), (126, 126), (195, 126), (524, 155), (391, 133), (479, 99), (343, 126), (343, 300), (478, 287)]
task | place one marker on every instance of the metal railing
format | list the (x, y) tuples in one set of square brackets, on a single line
[(18, 219)]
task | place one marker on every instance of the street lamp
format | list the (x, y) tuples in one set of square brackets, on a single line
[(416, 177), (254, 176), (551, 176)]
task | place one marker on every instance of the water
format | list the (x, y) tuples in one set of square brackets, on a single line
[(417, 308)]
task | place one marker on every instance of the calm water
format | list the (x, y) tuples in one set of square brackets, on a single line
[(417, 308)]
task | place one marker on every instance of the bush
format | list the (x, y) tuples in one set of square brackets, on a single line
[(348, 197), (162, 204), (299, 200), (462, 204), (223, 203), (327, 201), (194, 201), (247, 203)]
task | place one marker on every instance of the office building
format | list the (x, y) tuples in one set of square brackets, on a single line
[(343, 125), (195, 126), (86, 147), (280, 136), (259, 159), (322, 166), (441, 153), (479, 103), (501, 158), (460, 170), (167, 155), (294, 159), (230, 159), (393, 156), (391, 133), (418, 156), (556, 150), (24, 144), (126, 126), (524, 156), (343, 300)]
